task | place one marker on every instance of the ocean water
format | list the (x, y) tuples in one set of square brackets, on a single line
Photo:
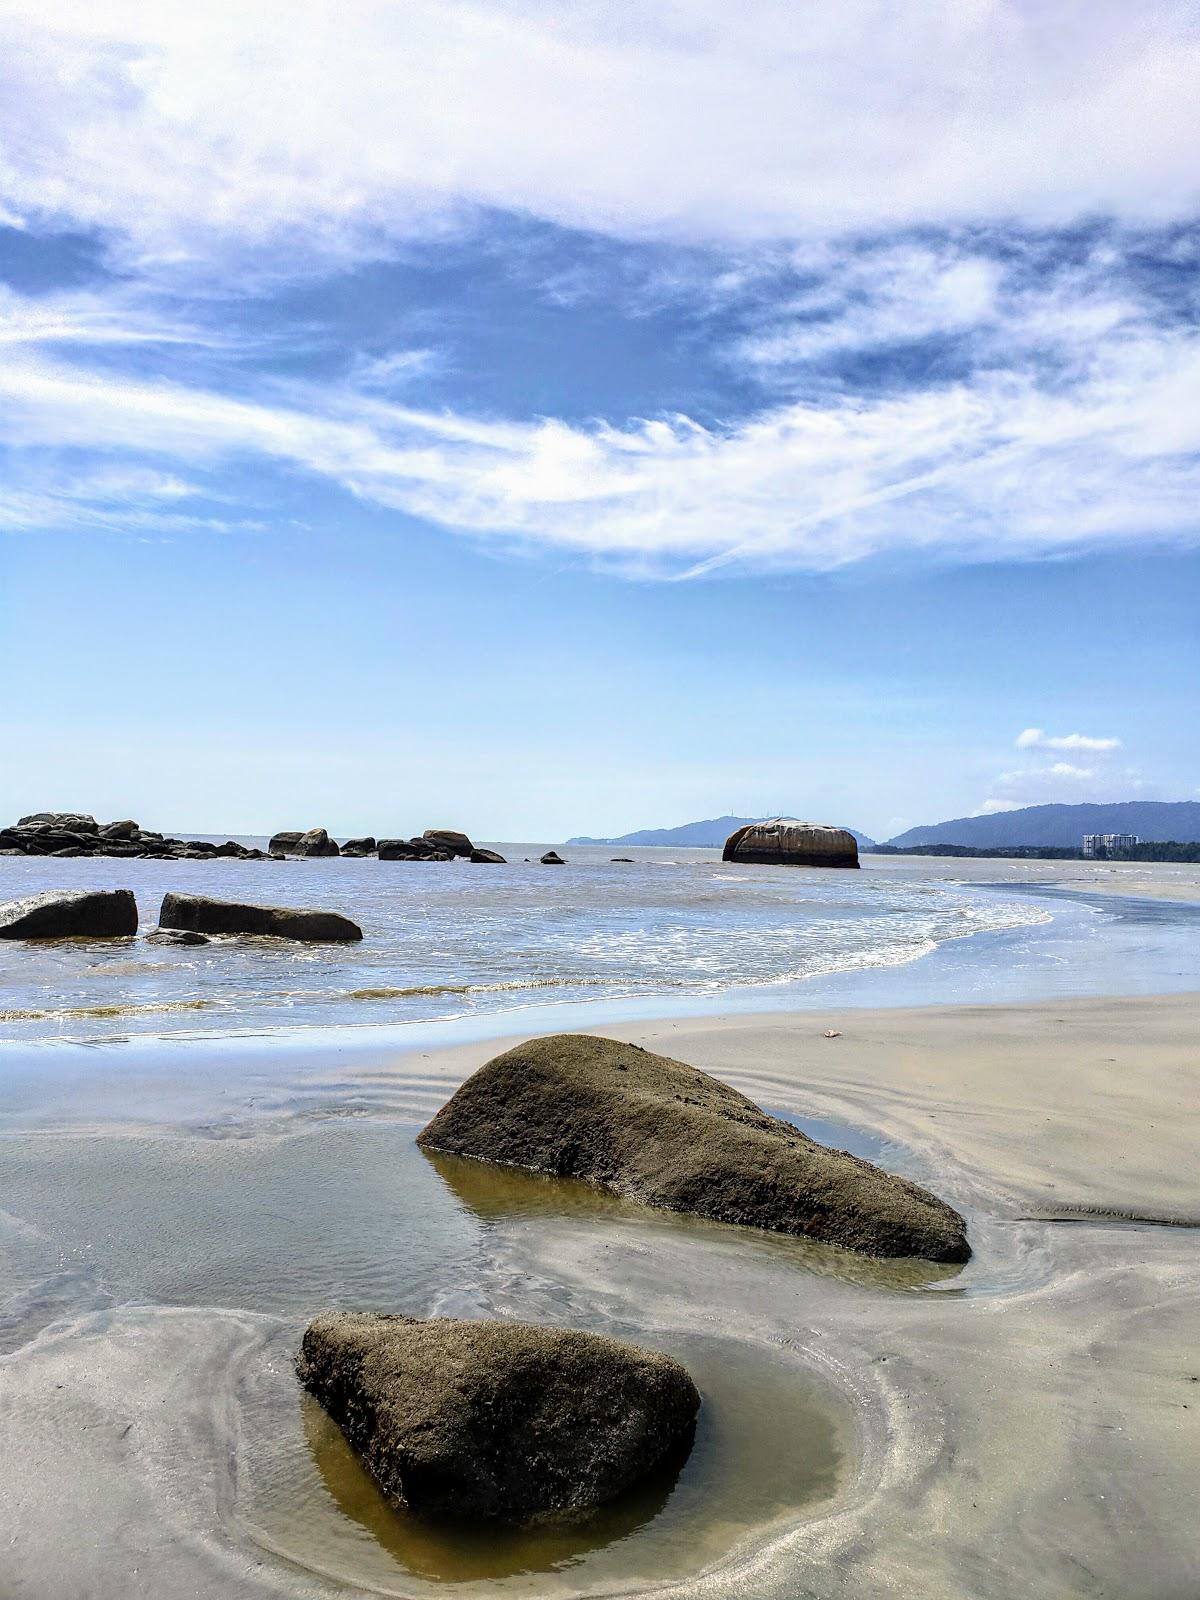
[(455, 940)]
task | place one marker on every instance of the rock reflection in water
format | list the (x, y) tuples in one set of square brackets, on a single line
[(771, 1441), (498, 1193)]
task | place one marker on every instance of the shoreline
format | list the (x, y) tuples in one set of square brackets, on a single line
[(1023, 1425)]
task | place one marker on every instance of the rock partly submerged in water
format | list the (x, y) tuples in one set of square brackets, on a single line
[(412, 850), (66, 914), (500, 1421), (488, 857), (316, 842), (784, 842), (552, 859), (666, 1134), (360, 847), (186, 936), (198, 914), (285, 843), (448, 839)]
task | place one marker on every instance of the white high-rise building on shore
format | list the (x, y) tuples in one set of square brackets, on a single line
[(1096, 846)]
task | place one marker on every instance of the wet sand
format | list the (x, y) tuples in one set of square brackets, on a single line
[(1027, 1427), (1143, 880)]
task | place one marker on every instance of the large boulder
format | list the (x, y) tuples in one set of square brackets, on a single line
[(411, 850), (666, 1134), (285, 843), (485, 857), (784, 842), (552, 859), (447, 839), (359, 847), (125, 829), (316, 842), (199, 914), (502, 1421), (67, 914), (66, 821)]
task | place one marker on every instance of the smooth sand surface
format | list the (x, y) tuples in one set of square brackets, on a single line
[(1027, 1429)]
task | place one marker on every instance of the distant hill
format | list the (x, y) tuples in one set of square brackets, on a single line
[(1063, 825), (711, 833)]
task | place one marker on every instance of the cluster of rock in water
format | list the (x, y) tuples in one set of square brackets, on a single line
[(515, 1422), (508, 1421), (73, 833)]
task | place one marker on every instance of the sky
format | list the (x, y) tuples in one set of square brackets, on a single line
[(544, 419)]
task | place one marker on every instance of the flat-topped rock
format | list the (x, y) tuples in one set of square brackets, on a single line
[(71, 914), (502, 1421), (666, 1134), (784, 842), (199, 914)]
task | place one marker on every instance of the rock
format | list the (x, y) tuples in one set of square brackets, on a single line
[(622, 860), (666, 1134), (198, 914), (446, 839), (359, 847), (232, 849), (118, 847), (411, 850), (316, 842), (552, 859), (500, 1421), (783, 842), (177, 936), (120, 830), (67, 821), (488, 856), (284, 843), (71, 914)]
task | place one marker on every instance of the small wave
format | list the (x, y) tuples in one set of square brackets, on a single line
[(63, 1013), (565, 982)]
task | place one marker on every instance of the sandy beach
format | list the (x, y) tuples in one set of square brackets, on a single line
[(1029, 1426)]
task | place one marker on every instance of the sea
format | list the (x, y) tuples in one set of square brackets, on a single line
[(461, 949)]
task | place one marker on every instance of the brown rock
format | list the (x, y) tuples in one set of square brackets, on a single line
[(666, 1134), (501, 1421), (783, 842)]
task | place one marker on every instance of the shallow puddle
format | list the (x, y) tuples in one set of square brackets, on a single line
[(773, 1441), (499, 1194)]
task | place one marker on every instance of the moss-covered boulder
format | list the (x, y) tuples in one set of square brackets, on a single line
[(502, 1421), (664, 1133)]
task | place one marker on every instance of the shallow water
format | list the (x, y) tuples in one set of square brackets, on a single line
[(772, 1441), (174, 1213), (452, 939)]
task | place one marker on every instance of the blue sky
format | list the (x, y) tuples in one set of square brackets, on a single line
[(549, 420)]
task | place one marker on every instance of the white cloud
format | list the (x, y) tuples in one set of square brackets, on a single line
[(1039, 739), (995, 466), (322, 128)]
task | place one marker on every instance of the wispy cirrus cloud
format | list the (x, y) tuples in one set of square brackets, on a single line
[(998, 465), (875, 222)]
